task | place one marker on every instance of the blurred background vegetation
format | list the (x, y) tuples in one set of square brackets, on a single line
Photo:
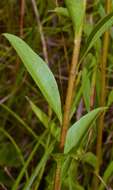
[(16, 84)]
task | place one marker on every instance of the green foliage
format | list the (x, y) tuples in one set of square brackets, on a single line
[(103, 25), (90, 159), (38, 167), (8, 155), (19, 119), (4, 179), (110, 98), (61, 11), (107, 174), (39, 72), (76, 11), (86, 88), (77, 131), (30, 158), (29, 136), (51, 125)]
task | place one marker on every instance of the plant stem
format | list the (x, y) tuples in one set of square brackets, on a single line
[(68, 102), (21, 28), (15, 87), (93, 84), (102, 99), (57, 181), (22, 11), (70, 89), (43, 40), (67, 107)]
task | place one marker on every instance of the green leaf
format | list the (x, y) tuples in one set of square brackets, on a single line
[(86, 88), (76, 11), (107, 174), (20, 121), (30, 157), (36, 171), (7, 150), (74, 185), (39, 113), (39, 71), (65, 167), (5, 179), (61, 11), (17, 149), (90, 159), (103, 25), (77, 131), (76, 101), (55, 131), (110, 98)]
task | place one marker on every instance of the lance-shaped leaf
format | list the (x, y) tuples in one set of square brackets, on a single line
[(77, 131), (76, 11), (103, 25), (45, 120), (39, 71)]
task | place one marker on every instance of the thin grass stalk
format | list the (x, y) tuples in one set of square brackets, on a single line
[(43, 40), (38, 180), (16, 147), (21, 27), (102, 99), (63, 41), (22, 12), (21, 33), (68, 103), (65, 53), (30, 157)]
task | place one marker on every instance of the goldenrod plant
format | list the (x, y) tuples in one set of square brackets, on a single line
[(62, 125)]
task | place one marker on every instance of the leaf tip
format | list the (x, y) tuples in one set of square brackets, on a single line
[(6, 35)]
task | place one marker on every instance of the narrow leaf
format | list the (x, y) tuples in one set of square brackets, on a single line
[(30, 157), (76, 101), (18, 150), (79, 129), (110, 98), (90, 159), (36, 171), (86, 88), (61, 11), (39, 113), (18, 118), (76, 11), (39, 71), (103, 25), (45, 120), (107, 174)]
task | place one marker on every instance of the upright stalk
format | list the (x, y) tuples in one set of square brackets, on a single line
[(43, 40), (68, 103), (22, 12), (102, 99), (67, 107), (70, 88), (21, 27)]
